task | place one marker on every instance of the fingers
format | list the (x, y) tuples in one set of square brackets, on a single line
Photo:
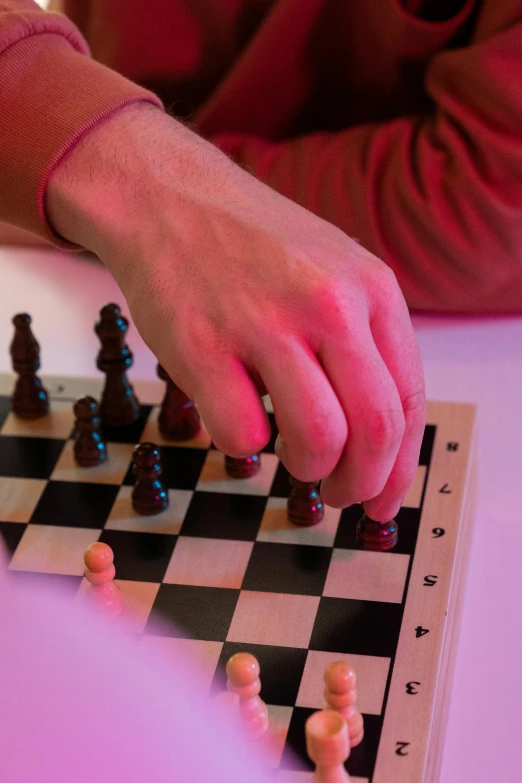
[(373, 410), (311, 423), (395, 340), (380, 384), (230, 407)]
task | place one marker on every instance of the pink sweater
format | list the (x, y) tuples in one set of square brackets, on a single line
[(402, 128)]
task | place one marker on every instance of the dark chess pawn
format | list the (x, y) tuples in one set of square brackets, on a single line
[(149, 496), (305, 507), (376, 536), (29, 400), (119, 406), (178, 419), (89, 446), (243, 467)]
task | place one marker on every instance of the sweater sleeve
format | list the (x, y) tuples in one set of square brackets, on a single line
[(439, 197), (51, 93)]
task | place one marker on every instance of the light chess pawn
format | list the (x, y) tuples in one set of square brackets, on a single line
[(243, 678), (328, 746), (340, 693), (100, 572)]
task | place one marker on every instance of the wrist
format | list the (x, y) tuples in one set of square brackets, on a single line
[(106, 192), (84, 196)]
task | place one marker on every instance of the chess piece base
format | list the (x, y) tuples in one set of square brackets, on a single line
[(376, 536)]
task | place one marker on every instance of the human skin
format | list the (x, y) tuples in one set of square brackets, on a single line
[(239, 291)]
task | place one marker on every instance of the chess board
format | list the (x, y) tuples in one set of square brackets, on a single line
[(227, 568)]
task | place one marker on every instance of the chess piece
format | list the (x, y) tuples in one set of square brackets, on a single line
[(243, 678), (327, 745), (178, 419), (243, 467), (29, 400), (340, 693), (89, 446), (376, 536), (100, 572), (119, 406), (149, 496), (305, 507)]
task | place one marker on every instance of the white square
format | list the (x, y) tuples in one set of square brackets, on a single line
[(138, 600), (414, 495), (277, 529), (202, 655), (58, 423), (151, 434), (50, 549), (123, 516), (19, 497), (371, 672), (214, 478), (367, 576), (112, 471), (277, 619), (208, 562)]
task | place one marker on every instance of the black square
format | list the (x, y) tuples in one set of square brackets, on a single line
[(362, 759), (75, 504), (281, 485), (287, 568), (357, 627), (140, 557), (181, 467), (12, 533), (29, 457), (131, 433), (270, 446), (427, 444), (281, 670), (197, 612), (5, 408), (224, 515), (408, 520), (294, 753)]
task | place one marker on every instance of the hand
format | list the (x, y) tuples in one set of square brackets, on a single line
[(238, 292)]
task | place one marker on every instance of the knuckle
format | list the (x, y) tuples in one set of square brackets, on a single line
[(414, 407), (314, 455), (331, 302), (384, 426), (385, 286)]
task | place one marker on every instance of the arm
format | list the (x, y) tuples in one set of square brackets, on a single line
[(48, 82), (438, 198)]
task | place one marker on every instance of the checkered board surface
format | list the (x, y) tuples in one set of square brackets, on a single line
[(227, 568)]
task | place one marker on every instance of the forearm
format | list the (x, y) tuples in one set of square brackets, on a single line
[(104, 192)]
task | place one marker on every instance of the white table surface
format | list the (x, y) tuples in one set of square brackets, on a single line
[(476, 359)]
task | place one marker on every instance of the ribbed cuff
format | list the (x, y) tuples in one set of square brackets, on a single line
[(50, 95)]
